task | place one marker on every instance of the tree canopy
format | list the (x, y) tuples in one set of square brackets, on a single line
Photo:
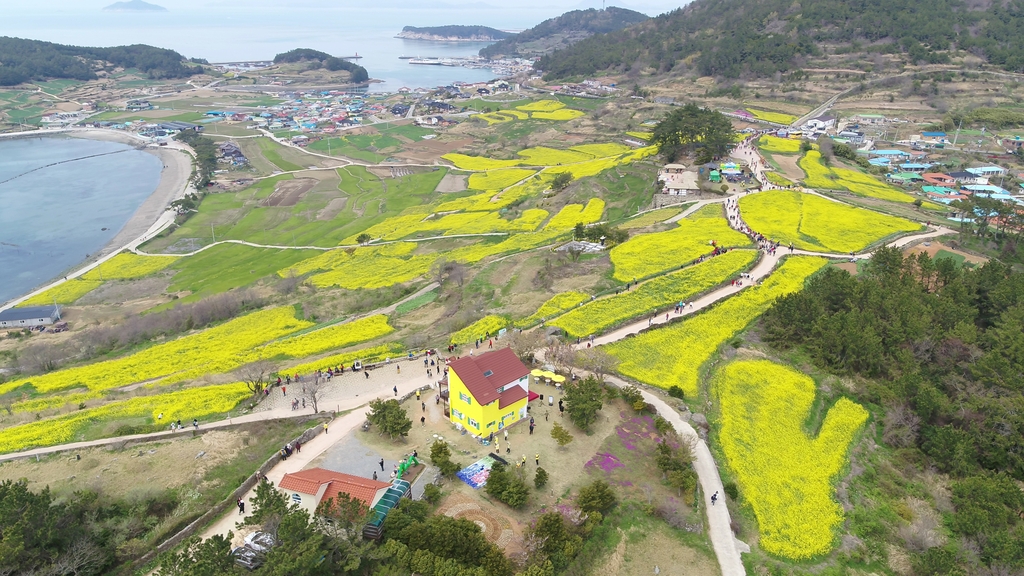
[(691, 129), (359, 74)]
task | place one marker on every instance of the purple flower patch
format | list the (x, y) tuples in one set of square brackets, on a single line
[(605, 461)]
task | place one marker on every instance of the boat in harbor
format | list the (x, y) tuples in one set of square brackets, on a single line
[(425, 61)]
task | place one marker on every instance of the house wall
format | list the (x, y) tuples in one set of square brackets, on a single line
[(26, 323), (481, 420)]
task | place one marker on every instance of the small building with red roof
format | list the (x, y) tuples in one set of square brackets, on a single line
[(308, 488), (488, 392)]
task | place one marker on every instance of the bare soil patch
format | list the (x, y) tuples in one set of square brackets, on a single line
[(289, 192), (933, 248), (850, 267), (432, 150), (333, 208), (119, 292), (788, 166), (639, 552), (452, 183)]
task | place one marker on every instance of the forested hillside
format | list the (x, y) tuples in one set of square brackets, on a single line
[(24, 60), (456, 31), (563, 31), (359, 74), (761, 37)]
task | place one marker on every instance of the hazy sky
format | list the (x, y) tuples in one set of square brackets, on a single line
[(652, 7)]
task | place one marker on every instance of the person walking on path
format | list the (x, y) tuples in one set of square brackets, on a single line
[(537, 458), (506, 434), (298, 447), (417, 394), (381, 464), (284, 390), (497, 447), (531, 428), (399, 368), (374, 474), (714, 498), (325, 427), (241, 506), (195, 423), (367, 374), (423, 420), (423, 405)]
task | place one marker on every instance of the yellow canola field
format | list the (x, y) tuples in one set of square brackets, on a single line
[(515, 114), (184, 405), (813, 223), (514, 243), (777, 145), (127, 266), (215, 350), (778, 179), (641, 135), (673, 355), (492, 118), (572, 214), (787, 477), (366, 355), (560, 115), (544, 156), (597, 316), (486, 327), (648, 254), (63, 293), (777, 117), (375, 272), (466, 162), (498, 179), (602, 150), (557, 304), (330, 338), (490, 222), (542, 106), (820, 176)]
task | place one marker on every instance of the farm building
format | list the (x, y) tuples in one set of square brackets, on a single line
[(29, 316)]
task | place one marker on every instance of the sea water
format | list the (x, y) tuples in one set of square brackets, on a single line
[(57, 206), (229, 31)]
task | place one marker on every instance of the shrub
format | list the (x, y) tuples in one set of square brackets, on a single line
[(431, 493), (596, 497), (731, 490), (541, 479), (676, 392)]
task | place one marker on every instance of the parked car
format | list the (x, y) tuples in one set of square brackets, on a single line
[(247, 557)]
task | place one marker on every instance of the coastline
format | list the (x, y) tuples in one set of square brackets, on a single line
[(149, 219)]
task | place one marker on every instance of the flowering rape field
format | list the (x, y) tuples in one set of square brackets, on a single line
[(324, 339), (466, 162), (64, 293), (498, 179), (813, 223), (649, 218), (559, 115), (542, 106), (573, 214), (556, 305), (821, 176), (372, 354), (599, 315), (787, 477), (777, 145), (778, 179), (649, 254), (673, 355), (777, 117), (183, 404), (126, 266), (215, 350), (646, 136), (480, 329)]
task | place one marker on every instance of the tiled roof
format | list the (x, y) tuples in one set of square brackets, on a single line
[(310, 481), (511, 396), (504, 367)]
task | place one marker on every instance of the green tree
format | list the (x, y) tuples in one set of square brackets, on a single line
[(583, 399), (389, 417), (540, 479), (690, 128), (441, 456), (561, 435), (561, 181), (364, 238), (596, 497), (198, 557)]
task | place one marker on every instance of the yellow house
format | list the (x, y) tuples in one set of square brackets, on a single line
[(488, 392)]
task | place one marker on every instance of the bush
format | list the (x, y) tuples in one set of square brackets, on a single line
[(507, 487), (596, 497), (441, 456), (431, 493), (731, 490), (541, 479), (676, 392)]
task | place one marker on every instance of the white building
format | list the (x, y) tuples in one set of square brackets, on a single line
[(308, 488), (29, 317)]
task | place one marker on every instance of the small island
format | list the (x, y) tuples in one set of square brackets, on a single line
[(454, 33), (134, 6)]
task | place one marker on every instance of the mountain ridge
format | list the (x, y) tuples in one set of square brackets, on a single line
[(567, 29)]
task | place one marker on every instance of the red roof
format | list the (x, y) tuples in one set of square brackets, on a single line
[(504, 368), (310, 481), (511, 396)]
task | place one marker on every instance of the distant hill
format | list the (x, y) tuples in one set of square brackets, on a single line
[(731, 38), (453, 33), (134, 6), (563, 31), (24, 60), (359, 74)]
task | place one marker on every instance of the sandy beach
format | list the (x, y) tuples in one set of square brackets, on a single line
[(174, 182)]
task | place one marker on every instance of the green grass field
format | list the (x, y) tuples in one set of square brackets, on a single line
[(272, 151), (228, 266)]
